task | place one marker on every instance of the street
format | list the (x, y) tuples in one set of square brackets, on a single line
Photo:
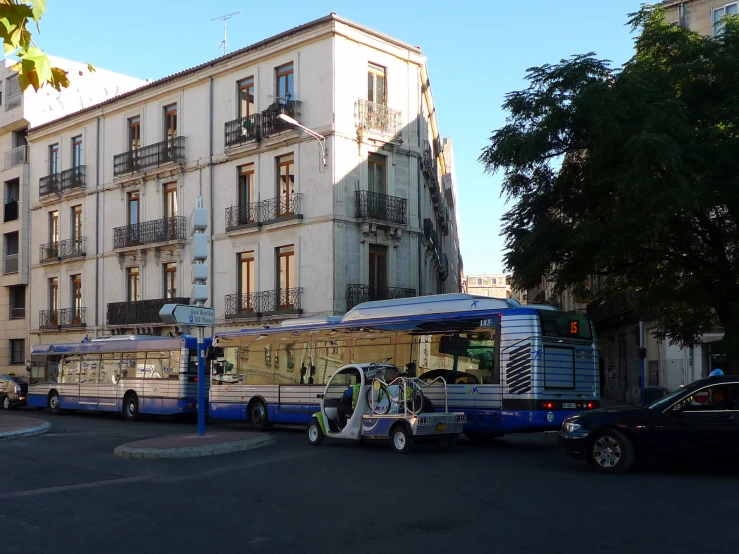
[(65, 491)]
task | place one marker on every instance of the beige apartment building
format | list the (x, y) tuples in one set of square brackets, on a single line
[(494, 285), (300, 225), (19, 111), (701, 16)]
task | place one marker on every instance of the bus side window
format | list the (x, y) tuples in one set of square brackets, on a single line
[(128, 365), (496, 353), (175, 364)]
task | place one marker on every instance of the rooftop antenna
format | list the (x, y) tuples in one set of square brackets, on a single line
[(225, 18)]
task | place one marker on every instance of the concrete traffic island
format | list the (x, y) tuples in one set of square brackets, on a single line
[(193, 446), (19, 427)]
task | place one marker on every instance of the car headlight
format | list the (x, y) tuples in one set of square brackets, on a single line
[(571, 427)]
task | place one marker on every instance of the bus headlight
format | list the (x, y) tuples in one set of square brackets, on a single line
[(570, 428)]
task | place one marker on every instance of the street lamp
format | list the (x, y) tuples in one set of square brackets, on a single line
[(320, 138)]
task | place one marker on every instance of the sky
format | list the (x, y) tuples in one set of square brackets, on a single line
[(477, 52)]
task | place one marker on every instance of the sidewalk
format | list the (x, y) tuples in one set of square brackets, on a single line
[(19, 427), (193, 446)]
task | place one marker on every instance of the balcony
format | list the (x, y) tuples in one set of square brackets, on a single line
[(272, 125), (16, 156), (67, 317), (430, 235), (14, 101), (11, 211), (65, 249), (380, 207), (257, 304), (428, 162), (51, 184), (282, 209), (140, 312), (150, 232), (377, 117), (11, 264), (244, 217), (243, 130), (73, 178), (148, 157), (356, 294), (444, 266)]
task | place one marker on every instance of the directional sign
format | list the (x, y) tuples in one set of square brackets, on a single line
[(181, 314)]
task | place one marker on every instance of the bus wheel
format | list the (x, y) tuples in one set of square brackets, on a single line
[(131, 407), (401, 439), (258, 415), (54, 403), (446, 442)]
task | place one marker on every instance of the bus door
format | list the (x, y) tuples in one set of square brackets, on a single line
[(89, 367), (68, 383), (292, 363), (109, 381)]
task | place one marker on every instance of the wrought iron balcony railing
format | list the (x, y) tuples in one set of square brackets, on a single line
[(147, 157), (243, 130), (244, 305), (428, 163), (49, 252), (11, 211), (141, 311), (444, 266), (248, 215), (11, 264), (73, 178), (67, 317), (370, 115), (356, 294), (382, 207), (430, 234), (270, 302), (69, 248), (51, 184), (284, 207), (150, 232), (16, 156), (272, 124)]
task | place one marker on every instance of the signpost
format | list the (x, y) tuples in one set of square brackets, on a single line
[(198, 315)]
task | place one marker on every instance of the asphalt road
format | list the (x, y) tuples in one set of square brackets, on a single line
[(65, 492)]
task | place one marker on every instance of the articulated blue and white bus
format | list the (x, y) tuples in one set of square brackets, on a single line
[(509, 368), (130, 374)]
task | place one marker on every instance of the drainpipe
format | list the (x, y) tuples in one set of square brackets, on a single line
[(97, 227), (641, 358), (420, 226), (681, 14), (212, 243)]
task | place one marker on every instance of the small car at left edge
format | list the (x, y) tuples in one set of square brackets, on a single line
[(13, 391)]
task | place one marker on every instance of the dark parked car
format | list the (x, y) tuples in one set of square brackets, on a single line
[(698, 423), (13, 391)]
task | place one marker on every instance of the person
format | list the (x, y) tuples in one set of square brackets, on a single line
[(719, 399), (346, 405)]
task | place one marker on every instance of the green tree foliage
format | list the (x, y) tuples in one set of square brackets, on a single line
[(631, 173), (34, 68)]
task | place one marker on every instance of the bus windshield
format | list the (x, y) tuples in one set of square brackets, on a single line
[(565, 325)]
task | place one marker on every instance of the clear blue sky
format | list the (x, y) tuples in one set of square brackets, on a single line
[(477, 52)]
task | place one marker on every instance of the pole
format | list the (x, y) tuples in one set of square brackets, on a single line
[(201, 380)]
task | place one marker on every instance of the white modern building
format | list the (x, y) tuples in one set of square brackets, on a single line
[(19, 111), (290, 235)]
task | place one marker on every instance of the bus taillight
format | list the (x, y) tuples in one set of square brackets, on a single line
[(590, 405)]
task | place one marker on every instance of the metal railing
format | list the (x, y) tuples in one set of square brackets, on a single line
[(66, 317), (17, 313), (48, 252), (141, 311), (11, 264), (243, 215), (444, 266), (150, 232), (69, 248), (379, 117), (428, 162), (356, 294), (430, 234), (16, 156), (282, 300), (11, 211), (147, 157), (382, 207), (73, 178), (51, 184), (284, 206), (244, 305), (14, 101), (272, 124), (243, 130)]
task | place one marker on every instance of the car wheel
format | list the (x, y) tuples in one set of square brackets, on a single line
[(131, 407), (6, 402), (401, 439), (611, 452), (315, 433), (258, 415)]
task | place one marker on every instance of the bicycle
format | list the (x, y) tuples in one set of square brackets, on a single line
[(380, 399)]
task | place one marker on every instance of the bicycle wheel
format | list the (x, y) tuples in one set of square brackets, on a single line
[(415, 401), (378, 400)]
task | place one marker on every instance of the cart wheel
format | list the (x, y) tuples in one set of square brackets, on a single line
[(315, 434), (447, 442), (402, 439)]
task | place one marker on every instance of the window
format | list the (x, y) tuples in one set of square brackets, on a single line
[(377, 269), (247, 186), (54, 159), (247, 281), (133, 207), (17, 351), (284, 83), (54, 227), (76, 222), (76, 288), (170, 200), (715, 398), (479, 281), (246, 97), (132, 278), (170, 280), (718, 13), (134, 133), (376, 84), (285, 272), (17, 298), (170, 121), (377, 178), (12, 194), (53, 294), (77, 151), (285, 184), (559, 367)]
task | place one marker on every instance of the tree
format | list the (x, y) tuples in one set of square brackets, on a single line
[(34, 68), (631, 173)]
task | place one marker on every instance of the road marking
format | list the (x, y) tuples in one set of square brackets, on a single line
[(63, 488), (19, 523)]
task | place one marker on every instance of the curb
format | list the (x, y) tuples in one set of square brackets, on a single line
[(125, 451), (28, 432)]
